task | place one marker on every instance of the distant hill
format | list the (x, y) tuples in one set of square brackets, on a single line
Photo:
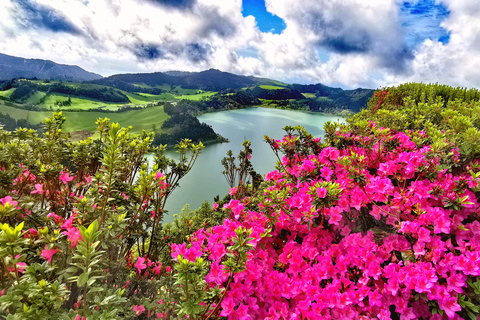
[(210, 80), (14, 67), (354, 100)]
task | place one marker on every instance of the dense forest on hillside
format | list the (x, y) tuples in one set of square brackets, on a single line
[(379, 219)]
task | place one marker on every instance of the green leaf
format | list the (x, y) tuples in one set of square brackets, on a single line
[(82, 279)]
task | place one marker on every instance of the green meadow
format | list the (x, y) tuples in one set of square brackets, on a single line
[(308, 95), (143, 119), (196, 97), (270, 87)]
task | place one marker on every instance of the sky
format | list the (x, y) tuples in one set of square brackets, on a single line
[(344, 43)]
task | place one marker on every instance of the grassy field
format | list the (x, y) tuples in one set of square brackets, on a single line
[(144, 119), (35, 98), (308, 95), (270, 87), (77, 103), (7, 93), (196, 97)]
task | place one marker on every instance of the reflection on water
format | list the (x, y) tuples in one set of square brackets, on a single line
[(206, 180)]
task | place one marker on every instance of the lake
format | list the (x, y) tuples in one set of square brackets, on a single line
[(206, 180)]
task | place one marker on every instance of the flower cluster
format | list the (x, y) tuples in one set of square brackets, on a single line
[(371, 229)]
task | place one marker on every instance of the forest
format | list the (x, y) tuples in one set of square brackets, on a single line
[(376, 220)]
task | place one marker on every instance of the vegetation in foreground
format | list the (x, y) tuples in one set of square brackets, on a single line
[(380, 220)]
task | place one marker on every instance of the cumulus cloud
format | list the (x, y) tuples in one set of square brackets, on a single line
[(344, 42), (456, 62)]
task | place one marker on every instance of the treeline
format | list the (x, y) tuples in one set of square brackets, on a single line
[(10, 124), (314, 105), (277, 94), (338, 98), (125, 86), (183, 125), (222, 101), (24, 89)]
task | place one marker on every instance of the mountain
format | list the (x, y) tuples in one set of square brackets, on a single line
[(15, 67), (210, 80)]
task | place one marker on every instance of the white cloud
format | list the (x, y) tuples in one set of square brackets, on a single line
[(349, 42)]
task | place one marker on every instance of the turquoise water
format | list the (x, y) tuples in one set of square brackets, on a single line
[(206, 180)]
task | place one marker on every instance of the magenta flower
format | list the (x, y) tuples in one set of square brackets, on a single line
[(450, 306), (73, 235), (140, 265), (232, 191), (8, 201), (38, 188), (216, 274), (48, 254), (321, 192), (65, 177), (138, 309), (157, 269)]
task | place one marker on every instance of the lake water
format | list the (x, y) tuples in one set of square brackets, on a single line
[(206, 180)]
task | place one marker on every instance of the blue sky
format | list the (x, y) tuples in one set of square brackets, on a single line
[(347, 43)]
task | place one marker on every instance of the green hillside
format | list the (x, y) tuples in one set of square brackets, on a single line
[(143, 119)]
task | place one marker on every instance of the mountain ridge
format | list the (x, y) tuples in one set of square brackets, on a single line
[(17, 67)]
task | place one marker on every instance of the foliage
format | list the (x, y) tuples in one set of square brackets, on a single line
[(78, 221), (378, 221), (25, 88), (184, 126)]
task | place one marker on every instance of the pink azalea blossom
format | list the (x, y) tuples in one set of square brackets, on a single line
[(65, 177), (140, 265), (38, 188), (48, 254), (8, 201), (73, 235), (139, 309)]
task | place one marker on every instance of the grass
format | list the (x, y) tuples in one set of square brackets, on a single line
[(270, 87), (183, 91), (308, 95), (196, 97), (7, 93), (77, 103), (143, 119), (35, 98)]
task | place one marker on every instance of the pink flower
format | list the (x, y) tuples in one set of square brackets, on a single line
[(73, 235), (138, 309), (159, 175), (217, 274), (21, 266), (335, 215), (38, 188), (140, 265), (8, 201), (215, 206), (65, 177), (232, 191), (68, 223), (48, 254), (55, 217), (321, 192), (450, 306), (157, 269)]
